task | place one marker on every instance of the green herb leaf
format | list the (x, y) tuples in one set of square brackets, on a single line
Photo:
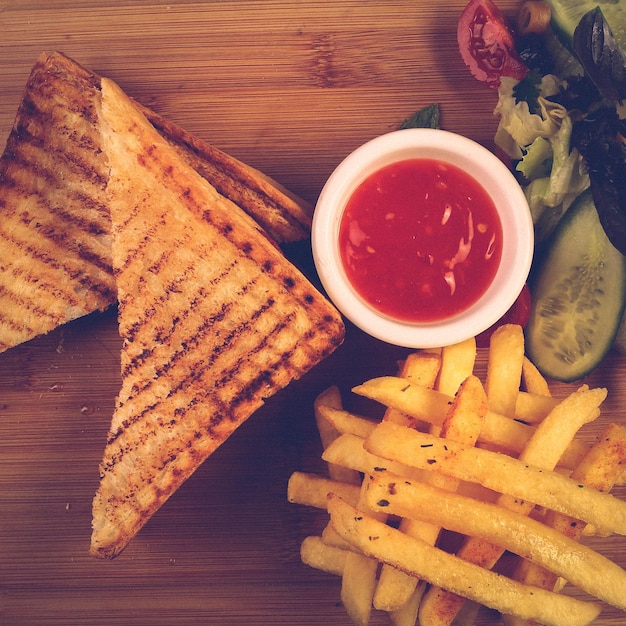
[(600, 55), (428, 117), (599, 139), (528, 90)]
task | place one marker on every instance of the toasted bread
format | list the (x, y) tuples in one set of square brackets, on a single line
[(55, 244), (214, 321), (55, 257)]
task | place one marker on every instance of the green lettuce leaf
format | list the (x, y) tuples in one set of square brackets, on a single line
[(518, 127), (554, 174)]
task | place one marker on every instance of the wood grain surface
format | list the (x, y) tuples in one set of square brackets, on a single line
[(290, 88)]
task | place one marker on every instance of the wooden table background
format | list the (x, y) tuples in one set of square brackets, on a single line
[(291, 88)]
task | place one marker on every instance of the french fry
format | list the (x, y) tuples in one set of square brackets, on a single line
[(388, 545), (348, 451), (311, 490), (396, 588), (603, 465), (499, 472), (316, 554), (532, 408), (457, 363), (464, 421), (532, 379), (555, 433), (448, 605), (358, 581), (422, 368), (331, 397), (345, 422), (407, 614), (416, 400), (518, 533), (504, 368), (622, 479), (331, 538)]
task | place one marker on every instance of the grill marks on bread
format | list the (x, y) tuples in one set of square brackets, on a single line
[(284, 216), (55, 256), (214, 321)]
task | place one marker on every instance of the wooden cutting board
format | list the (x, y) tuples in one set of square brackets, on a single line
[(290, 88)]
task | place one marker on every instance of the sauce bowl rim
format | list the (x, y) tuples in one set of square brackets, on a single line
[(489, 171)]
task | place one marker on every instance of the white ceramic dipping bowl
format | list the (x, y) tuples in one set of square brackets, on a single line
[(486, 169)]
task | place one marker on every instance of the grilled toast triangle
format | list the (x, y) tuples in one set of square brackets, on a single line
[(55, 243), (214, 321)]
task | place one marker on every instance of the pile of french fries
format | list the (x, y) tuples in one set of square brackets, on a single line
[(495, 464)]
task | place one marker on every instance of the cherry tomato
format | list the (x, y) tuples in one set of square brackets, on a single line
[(519, 314), (487, 45)]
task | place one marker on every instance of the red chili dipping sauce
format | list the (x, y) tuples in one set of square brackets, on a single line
[(420, 240)]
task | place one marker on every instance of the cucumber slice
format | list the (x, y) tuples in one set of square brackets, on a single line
[(579, 293), (567, 13)]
